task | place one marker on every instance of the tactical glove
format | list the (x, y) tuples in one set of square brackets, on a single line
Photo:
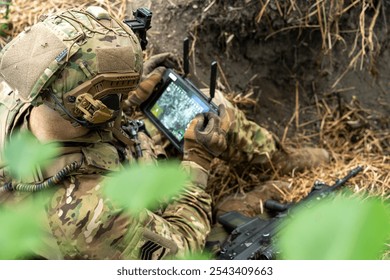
[(153, 70), (146, 87), (168, 60), (205, 137)]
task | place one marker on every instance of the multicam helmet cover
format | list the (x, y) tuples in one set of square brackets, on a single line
[(81, 63)]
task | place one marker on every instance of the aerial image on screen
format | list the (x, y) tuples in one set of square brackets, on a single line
[(176, 108)]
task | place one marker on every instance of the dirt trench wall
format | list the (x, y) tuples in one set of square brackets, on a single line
[(283, 52)]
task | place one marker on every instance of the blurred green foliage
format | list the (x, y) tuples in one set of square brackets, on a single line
[(337, 228), (197, 256), (23, 153), (145, 185), (22, 229), (22, 225), (4, 26)]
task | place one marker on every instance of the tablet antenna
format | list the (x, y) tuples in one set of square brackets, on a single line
[(186, 64), (213, 80)]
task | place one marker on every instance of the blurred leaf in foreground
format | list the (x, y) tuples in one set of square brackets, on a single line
[(197, 256), (342, 228), (144, 186), (24, 152), (21, 229)]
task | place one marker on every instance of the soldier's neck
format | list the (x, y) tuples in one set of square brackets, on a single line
[(48, 125)]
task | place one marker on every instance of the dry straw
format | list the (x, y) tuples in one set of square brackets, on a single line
[(24, 13), (354, 136), (328, 16)]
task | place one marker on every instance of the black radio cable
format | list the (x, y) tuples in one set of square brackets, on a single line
[(48, 183)]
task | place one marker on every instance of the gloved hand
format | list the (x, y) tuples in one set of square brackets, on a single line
[(168, 60), (205, 137), (153, 70), (145, 87)]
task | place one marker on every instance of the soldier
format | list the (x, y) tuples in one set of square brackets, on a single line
[(66, 80)]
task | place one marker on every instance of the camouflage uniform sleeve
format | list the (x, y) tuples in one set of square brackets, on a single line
[(88, 226), (247, 141), (183, 226)]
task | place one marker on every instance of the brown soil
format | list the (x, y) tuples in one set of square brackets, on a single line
[(280, 69)]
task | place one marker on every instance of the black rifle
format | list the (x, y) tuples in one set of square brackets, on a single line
[(252, 238), (141, 24)]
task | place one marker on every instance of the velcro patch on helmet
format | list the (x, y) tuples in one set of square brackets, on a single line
[(98, 12), (120, 59), (24, 62)]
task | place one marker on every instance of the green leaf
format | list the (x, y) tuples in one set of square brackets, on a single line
[(24, 152), (197, 256), (3, 28), (144, 186), (342, 228), (21, 229)]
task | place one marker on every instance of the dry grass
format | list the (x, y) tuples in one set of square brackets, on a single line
[(354, 137), (325, 16), (328, 17), (25, 13)]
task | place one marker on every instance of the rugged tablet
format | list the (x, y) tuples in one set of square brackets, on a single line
[(172, 107)]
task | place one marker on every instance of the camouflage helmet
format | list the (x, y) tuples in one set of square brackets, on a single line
[(81, 63)]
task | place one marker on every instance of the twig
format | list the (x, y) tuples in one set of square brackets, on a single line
[(209, 6), (296, 104)]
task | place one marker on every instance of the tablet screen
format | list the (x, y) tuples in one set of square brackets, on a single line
[(173, 106), (176, 107)]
